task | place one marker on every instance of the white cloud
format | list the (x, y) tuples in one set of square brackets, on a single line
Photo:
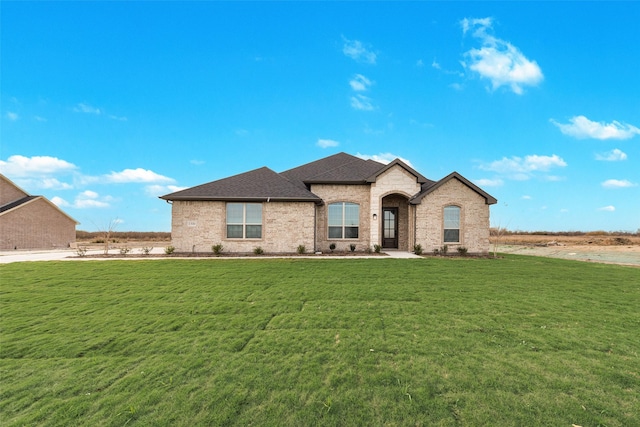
[(326, 143), (609, 208), (21, 166), (88, 194), (53, 184), (137, 175), (40, 118), (90, 199), (354, 49), (86, 108), (419, 63), (486, 182), (614, 155), (197, 162), (618, 183), (360, 83), (160, 190), (59, 201), (12, 116), (582, 128), (499, 61), (361, 102), (384, 158), (519, 168), (526, 197), (119, 118)]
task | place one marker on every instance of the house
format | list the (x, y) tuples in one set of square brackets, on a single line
[(341, 200), (32, 222)]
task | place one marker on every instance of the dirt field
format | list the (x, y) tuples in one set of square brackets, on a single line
[(610, 249)]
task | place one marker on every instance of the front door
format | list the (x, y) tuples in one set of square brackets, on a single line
[(390, 228)]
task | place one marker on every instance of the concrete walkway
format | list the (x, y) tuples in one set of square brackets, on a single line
[(401, 254), (7, 257)]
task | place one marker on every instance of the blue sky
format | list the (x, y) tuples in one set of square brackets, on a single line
[(108, 105)]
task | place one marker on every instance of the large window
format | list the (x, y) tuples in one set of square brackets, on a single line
[(344, 220), (244, 220), (451, 224)]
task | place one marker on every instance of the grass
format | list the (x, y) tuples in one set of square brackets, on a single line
[(444, 342)]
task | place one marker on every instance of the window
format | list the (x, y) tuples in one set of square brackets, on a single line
[(344, 220), (244, 220), (451, 224)]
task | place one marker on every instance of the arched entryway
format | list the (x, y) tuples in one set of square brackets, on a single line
[(394, 230)]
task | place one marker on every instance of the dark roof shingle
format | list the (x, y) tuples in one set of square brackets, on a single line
[(258, 184)]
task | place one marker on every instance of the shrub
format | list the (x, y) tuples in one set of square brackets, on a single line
[(81, 250), (352, 247), (444, 250), (146, 250), (258, 250), (332, 247), (417, 249), (217, 248), (125, 250), (377, 248), (301, 249), (169, 250), (436, 251), (462, 251)]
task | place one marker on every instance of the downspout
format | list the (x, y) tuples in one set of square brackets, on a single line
[(315, 228), (415, 225)]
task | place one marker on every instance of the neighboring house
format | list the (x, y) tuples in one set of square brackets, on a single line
[(32, 222), (340, 199)]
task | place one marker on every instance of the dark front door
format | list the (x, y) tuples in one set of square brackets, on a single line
[(390, 228)]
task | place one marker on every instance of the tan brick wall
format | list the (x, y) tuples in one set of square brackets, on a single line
[(197, 225), (36, 225), (359, 194), (474, 218), (396, 180), (9, 192)]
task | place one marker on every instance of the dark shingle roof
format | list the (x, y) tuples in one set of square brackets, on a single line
[(259, 184), (340, 168), (292, 185), (17, 203)]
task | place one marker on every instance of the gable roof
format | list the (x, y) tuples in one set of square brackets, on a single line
[(21, 203), (341, 168), (430, 187), (24, 201), (16, 203), (261, 184), (292, 185), (397, 162)]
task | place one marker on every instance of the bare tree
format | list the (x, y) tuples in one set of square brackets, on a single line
[(106, 232)]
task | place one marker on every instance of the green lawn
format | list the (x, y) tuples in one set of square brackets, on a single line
[(518, 341)]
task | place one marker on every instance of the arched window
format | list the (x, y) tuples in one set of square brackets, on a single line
[(344, 220), (452, 224)]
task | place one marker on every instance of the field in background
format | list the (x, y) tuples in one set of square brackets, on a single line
[(435, 341)]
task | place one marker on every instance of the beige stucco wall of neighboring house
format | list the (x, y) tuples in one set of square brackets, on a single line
[(333, 193), (396, 180), (197, 225), (474, 218), (36, 225)]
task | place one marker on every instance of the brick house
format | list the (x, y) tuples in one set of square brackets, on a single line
[(340, 199), (32, 222)]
